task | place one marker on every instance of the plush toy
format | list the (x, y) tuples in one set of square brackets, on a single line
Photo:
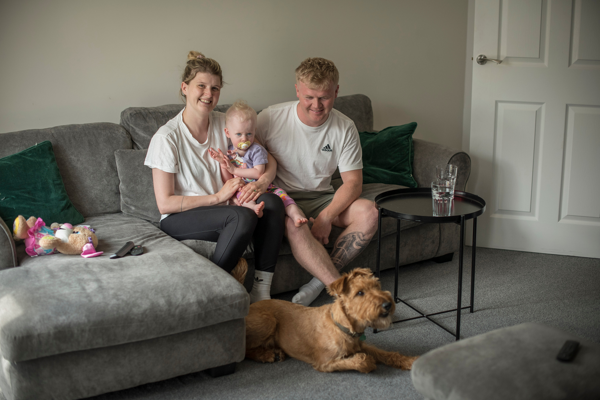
[(31, 231), (22, 225), (41, 240), (81, 240)]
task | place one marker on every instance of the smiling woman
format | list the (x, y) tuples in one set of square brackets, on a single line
[(190, 192)]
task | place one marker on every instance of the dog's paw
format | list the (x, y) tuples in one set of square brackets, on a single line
[(365, 363), (279, 355)]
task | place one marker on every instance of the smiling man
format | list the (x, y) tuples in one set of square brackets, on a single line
[(309, 140)]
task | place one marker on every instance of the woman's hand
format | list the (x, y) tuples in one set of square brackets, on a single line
[(229, 189), (252, 191)]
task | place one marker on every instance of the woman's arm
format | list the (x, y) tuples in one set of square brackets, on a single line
[(169, 203)]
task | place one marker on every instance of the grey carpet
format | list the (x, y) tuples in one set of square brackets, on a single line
[(511, 288)]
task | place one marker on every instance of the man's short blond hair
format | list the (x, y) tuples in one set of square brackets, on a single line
[(242, 111), (317, 73)]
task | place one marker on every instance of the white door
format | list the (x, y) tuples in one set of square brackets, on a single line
[(535, 125)]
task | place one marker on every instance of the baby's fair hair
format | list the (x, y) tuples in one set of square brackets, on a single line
[(242, 111), (197, 62), (317, 73)]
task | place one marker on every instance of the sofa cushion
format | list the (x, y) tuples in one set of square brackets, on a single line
[(388, 155), (32, 185), (136, 186), (143, 122), (63, 303), (85, 157)]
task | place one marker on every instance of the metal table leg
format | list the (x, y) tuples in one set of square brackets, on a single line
[(473, 263), (460, 275)]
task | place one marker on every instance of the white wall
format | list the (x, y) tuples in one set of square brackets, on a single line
[(64, 62)]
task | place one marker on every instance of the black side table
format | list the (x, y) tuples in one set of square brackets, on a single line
[(416, 205)]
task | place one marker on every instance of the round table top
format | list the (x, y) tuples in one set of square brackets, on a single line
[(416, 205)]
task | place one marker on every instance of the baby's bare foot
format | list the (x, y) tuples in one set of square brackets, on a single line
[(259, 209), (293, 211), (298, 222)]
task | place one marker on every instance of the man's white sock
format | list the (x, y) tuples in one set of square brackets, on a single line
[(261, 288), (309, 292)]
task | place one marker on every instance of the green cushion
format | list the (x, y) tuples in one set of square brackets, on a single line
[(32, 186), (388, 155)]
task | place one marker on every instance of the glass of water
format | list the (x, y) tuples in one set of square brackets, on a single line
[(446, 172), (442, 195)]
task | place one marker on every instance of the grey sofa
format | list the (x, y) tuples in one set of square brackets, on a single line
[(72, 327)]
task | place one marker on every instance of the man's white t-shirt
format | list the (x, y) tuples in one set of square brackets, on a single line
[(173, 149), (307, 156)]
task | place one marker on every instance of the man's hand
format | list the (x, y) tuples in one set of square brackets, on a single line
[(321, 229)]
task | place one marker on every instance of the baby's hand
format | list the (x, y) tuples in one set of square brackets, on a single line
[(214, 155)]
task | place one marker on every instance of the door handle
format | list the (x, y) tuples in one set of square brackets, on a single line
[(482, 60)]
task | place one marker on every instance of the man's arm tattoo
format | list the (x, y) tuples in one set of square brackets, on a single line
[(346, 248)]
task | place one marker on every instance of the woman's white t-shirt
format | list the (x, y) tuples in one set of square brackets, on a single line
[(173, 149)]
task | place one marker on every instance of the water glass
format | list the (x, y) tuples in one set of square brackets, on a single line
[(446, 172), (442, 195)]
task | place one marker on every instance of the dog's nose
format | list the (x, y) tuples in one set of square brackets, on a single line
[(386, 306)]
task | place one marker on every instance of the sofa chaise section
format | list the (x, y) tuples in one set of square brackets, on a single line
[(74, 327)]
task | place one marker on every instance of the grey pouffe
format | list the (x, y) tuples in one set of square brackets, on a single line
[(517, 362)]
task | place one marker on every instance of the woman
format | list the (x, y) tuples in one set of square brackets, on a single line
[(190, 193)]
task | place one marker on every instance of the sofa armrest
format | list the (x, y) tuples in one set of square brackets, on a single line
[(8, 250), (429, 154)]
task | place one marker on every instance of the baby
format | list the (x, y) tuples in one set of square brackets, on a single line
[(247, 159)]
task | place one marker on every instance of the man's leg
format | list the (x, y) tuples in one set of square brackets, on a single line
[(309, 253), (360, 223)]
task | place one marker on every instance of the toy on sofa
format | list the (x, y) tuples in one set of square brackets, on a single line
[(41, 240), (32, 231), (82, 240)]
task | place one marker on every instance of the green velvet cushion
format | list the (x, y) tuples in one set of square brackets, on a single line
[(31, 185), (388, 155)]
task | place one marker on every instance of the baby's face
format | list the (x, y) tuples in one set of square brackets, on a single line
[(240, 132)]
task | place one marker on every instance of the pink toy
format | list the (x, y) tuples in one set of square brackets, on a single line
[(89, 250), (35, 234)]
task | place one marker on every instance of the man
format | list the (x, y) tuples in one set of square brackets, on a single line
[(309, 140)]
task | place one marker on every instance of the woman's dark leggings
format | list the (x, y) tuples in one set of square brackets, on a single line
[(232, 227)]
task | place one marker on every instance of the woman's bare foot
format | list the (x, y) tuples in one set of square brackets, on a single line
[(294, 212)]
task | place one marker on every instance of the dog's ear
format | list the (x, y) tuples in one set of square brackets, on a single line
[(337, 287)]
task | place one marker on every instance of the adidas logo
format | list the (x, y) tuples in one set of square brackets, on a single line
[(327, 148)]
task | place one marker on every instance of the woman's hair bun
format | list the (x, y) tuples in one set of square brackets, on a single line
[(194, 55)]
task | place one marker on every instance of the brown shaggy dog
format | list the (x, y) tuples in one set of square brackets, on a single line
[(330, 337)]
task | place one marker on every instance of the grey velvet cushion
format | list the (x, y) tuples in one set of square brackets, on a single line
[(136, 187), (85, 157), (143, 122), (517, 362), (81, 374), (62, 303)]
